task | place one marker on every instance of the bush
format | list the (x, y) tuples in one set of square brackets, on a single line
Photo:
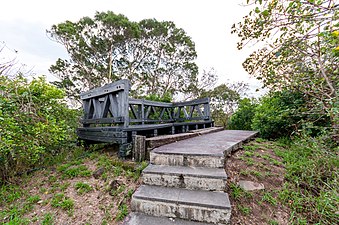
[(242, 118), (35, 123), (279, 114)]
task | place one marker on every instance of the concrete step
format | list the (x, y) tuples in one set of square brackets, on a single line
[(201, 206), (188, 159), (194, 178), (203, 151), (142, 219)]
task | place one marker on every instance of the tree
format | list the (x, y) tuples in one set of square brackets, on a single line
[(206, 82), (300, 50), (224, 100), (157, 57)]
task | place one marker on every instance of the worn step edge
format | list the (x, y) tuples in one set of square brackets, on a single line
[(136, 218), (204, 172), (211, 179), (209, 199), (210, 161), (182, 211)]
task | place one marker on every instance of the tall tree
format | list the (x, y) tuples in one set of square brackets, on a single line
[(157, 57), (300, 49)]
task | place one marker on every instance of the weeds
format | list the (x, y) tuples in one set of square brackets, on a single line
[(238, 193), (82, 188), (48, 219), (244, 210), (63, 202), (122, 213), (312, 180), (267, 197)]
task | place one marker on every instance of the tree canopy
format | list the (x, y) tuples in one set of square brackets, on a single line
[(157, 57), (300, 49)]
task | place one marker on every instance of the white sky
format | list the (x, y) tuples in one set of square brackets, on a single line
[(208, 22)]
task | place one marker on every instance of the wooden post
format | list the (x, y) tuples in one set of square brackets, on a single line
[(139, 148)]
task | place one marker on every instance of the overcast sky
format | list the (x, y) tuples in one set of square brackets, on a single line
[(23, 27)]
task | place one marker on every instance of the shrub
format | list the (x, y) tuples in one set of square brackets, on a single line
[(278, 114), (242, 118), (35, 123)]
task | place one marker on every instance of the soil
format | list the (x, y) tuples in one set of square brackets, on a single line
[(258, 163), (98, 206)]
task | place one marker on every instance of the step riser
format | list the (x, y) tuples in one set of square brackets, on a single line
[(189, 212), (187, 160), (184, 181)]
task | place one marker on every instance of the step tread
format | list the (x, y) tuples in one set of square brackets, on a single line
[(203, 172), (208, 199), (142, 219), (213, 144)]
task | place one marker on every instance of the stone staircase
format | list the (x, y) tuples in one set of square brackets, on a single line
[(185, 182)]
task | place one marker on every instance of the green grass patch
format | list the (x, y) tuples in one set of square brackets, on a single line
[(122, 213), (268, 197), (244, 210), (311, 189), (75, 171), (82, 188), (10, 193), (48, 219), (63, 202), (238, 193)]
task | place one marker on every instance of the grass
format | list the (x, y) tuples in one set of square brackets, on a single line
[(82, 188), (10, 193), (267, 197), (310, 187), (312, 180), (244, 210), (238, 193), (122, 213), (61, 201), (48, 219), (70, 171)]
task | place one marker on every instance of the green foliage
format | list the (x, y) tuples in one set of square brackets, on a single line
[(48, 219), (238, 193), (278, 114), (224, 100), (244, 210), (34, 123), (77, 171), (122, 213), (82, 188), (299, 51), (9, 193), (157, 57), (167, 97), (63, 202), (312, 179), (242, 118)]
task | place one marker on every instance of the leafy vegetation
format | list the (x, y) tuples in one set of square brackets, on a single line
[(311, 189), (303, 178), (35, 124), (157, 57), (299, 53)]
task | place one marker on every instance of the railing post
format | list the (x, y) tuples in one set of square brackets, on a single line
[(124, 103), (207, 110)]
